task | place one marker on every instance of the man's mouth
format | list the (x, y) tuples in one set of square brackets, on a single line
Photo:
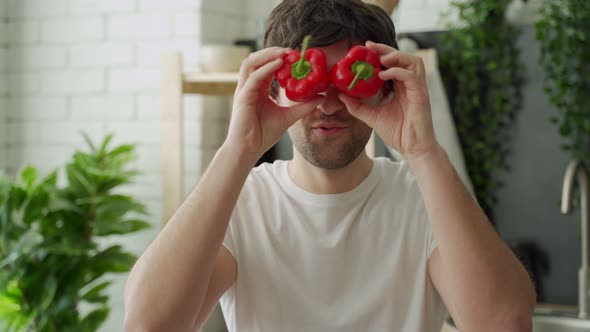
[(326, 129)]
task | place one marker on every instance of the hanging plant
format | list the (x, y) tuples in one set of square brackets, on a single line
[(563, 32), (479, 52)]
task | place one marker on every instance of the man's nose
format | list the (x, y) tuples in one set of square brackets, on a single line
[(332, 103)]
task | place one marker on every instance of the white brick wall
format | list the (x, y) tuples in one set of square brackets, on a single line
[(149, 53), (420, 15), (34, 58), (71, 30), (37, 108), (37, 8), (24, 31), (109, 54), (3, 84), (71, 81), (103, 108), (139, 27), (170, 6), (92, 7), (410, 16)]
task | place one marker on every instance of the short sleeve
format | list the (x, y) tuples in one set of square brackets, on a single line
[(430, 240), (432, 243), (231, 241), (228, 240)]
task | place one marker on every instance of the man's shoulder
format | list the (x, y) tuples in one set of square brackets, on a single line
[(394, 169), (266, 169), (397, 175), (266, 174)]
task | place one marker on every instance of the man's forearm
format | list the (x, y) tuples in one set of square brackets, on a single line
[(170, 280), (486, 279)]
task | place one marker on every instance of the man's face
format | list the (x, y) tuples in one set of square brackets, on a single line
[(330, 137)]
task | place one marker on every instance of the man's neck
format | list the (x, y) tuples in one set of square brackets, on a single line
[(329, 181)]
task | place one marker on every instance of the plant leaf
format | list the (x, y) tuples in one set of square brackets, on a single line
[(61, 204), (122, 149), (94, 295), (105, 143), (77, 181), (116, 206), (29, 177), (91, 322), (13, 316), (25, 245), (113, 259), (48, 293), (109, 227), (68, 247), (89, 142)]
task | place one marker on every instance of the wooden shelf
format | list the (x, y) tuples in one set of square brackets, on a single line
[(216, 84), (176, 83)]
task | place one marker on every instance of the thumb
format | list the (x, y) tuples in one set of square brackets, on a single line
[(296, 112), (358, 109)]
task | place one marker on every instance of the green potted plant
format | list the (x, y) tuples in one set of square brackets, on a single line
[(51, 257), (563, 32), (479, 54)]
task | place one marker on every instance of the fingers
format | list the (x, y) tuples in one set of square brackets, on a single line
[(391, 57), (296, 112), (396, 73), (359, 110), (258, 59), (380, 48), (410, 79), (262, 76)]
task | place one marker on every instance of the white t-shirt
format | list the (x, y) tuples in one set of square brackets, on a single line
[(356, 261)]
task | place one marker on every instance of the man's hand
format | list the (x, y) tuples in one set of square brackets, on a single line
[(402, 120), (257, 121)]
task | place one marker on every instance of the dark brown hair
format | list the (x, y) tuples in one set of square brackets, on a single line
[(328, 21)]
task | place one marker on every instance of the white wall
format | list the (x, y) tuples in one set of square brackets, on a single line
[(420, 15), (410, 16), (3, 81)]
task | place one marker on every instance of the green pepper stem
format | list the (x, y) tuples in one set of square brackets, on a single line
[(304, 46), (357, 77), (362, 70)]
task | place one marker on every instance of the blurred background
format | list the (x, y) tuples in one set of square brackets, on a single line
[(507, 82)]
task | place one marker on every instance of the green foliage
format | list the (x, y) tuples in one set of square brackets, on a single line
[(563, 31), (50, 257), (480, 54)]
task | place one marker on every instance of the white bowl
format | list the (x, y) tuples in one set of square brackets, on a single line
[(222, 58)]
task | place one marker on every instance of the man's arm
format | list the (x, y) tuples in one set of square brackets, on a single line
[(170, 286), (169, 283), (483, 284)]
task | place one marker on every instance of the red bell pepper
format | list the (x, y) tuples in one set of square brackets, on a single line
[(303, 77), (358, 73)]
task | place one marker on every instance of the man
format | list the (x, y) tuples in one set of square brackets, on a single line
[(330, 240)]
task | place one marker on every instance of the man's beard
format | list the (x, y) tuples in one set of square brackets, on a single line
[(330, 154)]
